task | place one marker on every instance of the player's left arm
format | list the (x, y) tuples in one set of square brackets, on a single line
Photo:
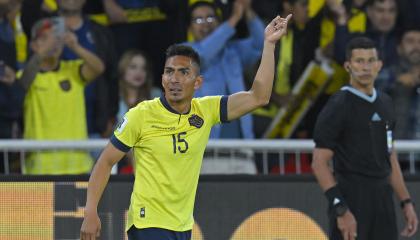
[(92, 64), (259, 95), (397, 183)]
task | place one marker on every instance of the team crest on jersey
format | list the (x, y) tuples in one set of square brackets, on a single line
[(65, 85), (196, 121)]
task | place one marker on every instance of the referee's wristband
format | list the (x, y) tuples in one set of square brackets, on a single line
[(336, 200), (334, 195), (405, 202)]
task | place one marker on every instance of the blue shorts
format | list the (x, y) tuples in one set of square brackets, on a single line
[(157, 234)]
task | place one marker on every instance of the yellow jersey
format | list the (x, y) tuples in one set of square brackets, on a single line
[(54, 109), (168, 149)]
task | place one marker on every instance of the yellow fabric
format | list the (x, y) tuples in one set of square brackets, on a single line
[(282, 81), (282, 84), (314, 6), (51, 4), (168, 152), (21, 41), (327, 32), (357, 23), (314, 80), (100, 18), (338, 79), (52, 113), (133, 16), (267, 111), (191, 2)]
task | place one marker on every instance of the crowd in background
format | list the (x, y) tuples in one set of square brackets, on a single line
[(70, 69)]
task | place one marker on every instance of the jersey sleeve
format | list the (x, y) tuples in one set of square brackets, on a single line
[(128, 131), (75, 69), (216, 108), (330, 123)]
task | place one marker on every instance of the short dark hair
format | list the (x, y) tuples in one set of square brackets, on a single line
[(359, 43), (198, 4), (183, 50), (411, 27)]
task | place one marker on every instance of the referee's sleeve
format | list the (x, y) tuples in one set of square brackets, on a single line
[(329, 123)]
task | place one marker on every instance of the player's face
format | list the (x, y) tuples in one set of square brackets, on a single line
[(363, 67), (180, 79), (135, 73), (409, 47), (203, 22)]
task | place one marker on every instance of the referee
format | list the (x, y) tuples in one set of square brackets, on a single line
[(355, 130)]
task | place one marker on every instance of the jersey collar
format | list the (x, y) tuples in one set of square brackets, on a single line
[(360, 94), (169, 108)]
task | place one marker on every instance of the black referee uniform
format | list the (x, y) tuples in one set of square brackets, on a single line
[(358, 129)]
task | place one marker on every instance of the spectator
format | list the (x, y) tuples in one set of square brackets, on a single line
[(296, 51), (54, 107), (405, 91), (382, 18), (142, 25), (176, 12), (11, 95), (101, 95), (135, 78), (224, 60)]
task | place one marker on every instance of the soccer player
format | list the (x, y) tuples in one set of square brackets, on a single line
[(355, 129), (169, 136)]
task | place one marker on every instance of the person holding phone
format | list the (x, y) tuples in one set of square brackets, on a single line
[(52, 85), (101, 95)]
